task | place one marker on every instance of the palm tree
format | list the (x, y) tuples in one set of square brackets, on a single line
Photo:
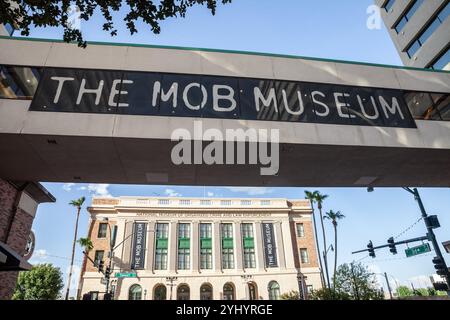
[(77, 204), (334, 217), (86, 243), (311, 196), (319, 200)]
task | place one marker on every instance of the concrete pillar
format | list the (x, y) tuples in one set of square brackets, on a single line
[(127, 245), (173, 245), (238, 246), (217, 244), (259, 248), (280, 245), (195, 245), (287, 244), (150, 247)]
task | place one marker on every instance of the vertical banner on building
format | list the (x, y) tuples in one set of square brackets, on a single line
[(139, 240), (270, 250)]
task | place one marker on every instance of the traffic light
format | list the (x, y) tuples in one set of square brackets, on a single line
[(392, 247), (371, 251), (107, 272), (440, 266), (100, 265)]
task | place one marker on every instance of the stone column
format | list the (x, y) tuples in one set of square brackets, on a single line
[(173, 245), (150, 247), (280, 245), (217, 253), (287, 241), (259, 248), (195, 245), (238, 246), (127, 244)]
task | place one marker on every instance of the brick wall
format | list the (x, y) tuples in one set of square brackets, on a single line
[(306, 242), (18, 235), (99, 244)]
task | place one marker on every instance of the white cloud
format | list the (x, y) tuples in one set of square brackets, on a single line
[(172, 193), (68, 186), (210, 194), (82, 188), (99, 189), (251, 191)]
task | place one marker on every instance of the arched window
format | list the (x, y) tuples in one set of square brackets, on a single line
[(183, 292), (135, 292), (160, 292), (228, 291), (206, 292), (274, 290), (252, 291)]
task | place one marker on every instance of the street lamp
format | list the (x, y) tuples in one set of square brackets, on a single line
[(301, 283), (430, 225), (170, 281)]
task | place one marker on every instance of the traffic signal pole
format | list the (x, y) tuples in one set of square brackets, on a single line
[(431, 235)]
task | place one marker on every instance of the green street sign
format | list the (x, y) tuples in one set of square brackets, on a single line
[(423, 248), (126, 275)]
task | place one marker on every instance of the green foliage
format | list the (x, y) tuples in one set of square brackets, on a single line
[(291, 295), (52, 13), (357, 282), (328, 294), (404, 291), (333, 216), (78, 203), (86, 243), (42, 282)]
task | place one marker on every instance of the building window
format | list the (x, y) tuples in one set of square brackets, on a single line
[(228, 291), (9, 28), (225, 202), (304, 255), (389, 4), (94, 295), (205, 202), (185, 202), (249, 245), (160, 292), (205, 246), (300, 230), (183, 292), (161, 259), (227, 246), (408, 15), (184, 231), (162, 230), (442, 62), (135, 292), (205, 230), (246, 202), (183, 259), (265, 202), (162, 235), (274, 290), (429, 30), (98, 257), (19, 82), (249, 258), (102, 230), (206, 292), (163, 201)]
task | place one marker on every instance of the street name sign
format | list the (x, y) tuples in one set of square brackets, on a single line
[(126, 275), (423, 248)]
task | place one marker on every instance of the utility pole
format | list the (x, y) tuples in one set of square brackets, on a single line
[(388, 285), (431, 235)]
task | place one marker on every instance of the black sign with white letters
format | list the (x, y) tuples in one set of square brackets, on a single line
[(270, 249), (163, 94), (138, 253)]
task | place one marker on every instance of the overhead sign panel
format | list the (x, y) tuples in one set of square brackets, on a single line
[(181, 95)]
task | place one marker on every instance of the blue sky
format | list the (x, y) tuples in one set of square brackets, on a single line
[(320, 28)]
